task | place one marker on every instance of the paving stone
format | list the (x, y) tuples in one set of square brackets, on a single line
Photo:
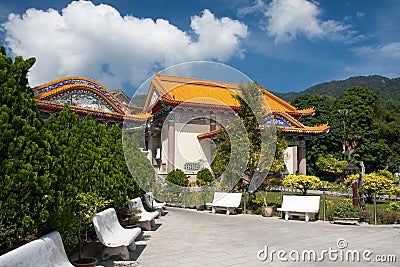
[(191, 238)]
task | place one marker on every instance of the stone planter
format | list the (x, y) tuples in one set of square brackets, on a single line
[(85, 262), (345, 220), (267, 211)]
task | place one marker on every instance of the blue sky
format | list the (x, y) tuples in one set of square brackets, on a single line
[(286, 45)]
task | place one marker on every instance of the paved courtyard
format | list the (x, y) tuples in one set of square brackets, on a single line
[(185, 237)]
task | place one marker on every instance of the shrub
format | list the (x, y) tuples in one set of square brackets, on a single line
[(388, 217), (376, 183), (342, 209), (393, 207), (177, 177), (204, 177), (302, 182)]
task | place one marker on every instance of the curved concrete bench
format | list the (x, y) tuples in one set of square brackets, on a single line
[(153, 204), (228, 201), (116, 239), (299, 205), (147, 219), (46, 251)]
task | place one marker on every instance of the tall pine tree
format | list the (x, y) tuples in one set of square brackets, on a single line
[(25, 158)]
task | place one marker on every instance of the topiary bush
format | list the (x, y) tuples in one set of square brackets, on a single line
[(177, 177), (204, 177)]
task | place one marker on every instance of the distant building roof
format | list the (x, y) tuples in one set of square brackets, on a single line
[(84, 96)]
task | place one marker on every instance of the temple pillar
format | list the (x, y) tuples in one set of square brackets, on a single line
[(213, 125), (171, 145), (301, 156)]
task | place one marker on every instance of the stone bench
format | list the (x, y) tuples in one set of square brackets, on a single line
[(147, 219), (153, 204), (228, 201), (116, 239), (299, 205), (46, 251)]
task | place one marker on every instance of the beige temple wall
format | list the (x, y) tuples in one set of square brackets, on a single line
[(185, 145), (188, 148)]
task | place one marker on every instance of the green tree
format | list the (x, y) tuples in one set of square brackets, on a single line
[(387, 121), (302, 182), (25, 160), (140, 171), (45, 164), (251, 108), (330, 165), (354, 124)]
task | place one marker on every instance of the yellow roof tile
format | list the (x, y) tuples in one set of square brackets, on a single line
[(181, 89)]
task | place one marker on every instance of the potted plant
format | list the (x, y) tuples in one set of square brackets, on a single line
[(266, 210), (343, 212), (87, 205)]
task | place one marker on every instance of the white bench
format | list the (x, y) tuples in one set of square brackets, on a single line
[(46, 251), (153, 204), (299, 205), (116, 239), (228, 201), (147, 219)]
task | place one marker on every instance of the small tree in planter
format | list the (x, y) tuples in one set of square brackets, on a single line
[(204, 177), (177, 177), (343, 210), (266, 210), (87, 204)]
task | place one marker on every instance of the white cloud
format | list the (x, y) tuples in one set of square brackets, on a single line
[(360, 14), (387, 51), (97, 42), (383, 59), (291, 19)]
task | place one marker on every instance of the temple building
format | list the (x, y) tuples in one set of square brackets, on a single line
[(180, 117), (186, 112)]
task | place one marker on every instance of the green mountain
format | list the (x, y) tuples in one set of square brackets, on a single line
[(388, 89)]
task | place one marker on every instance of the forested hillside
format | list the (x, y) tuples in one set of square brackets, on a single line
[(387, 89)]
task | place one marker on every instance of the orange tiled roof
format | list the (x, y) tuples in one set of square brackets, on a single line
[(204, 92), (305, 130)]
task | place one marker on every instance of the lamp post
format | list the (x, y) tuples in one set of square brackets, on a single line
[(245, 185), (350, 167)]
